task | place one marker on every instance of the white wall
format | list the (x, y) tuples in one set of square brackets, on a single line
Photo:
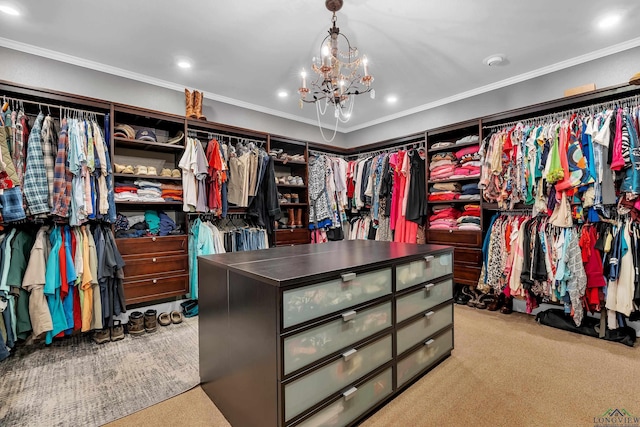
[(32, 70)]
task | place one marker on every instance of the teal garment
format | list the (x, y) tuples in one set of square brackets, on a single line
[(153, 221), (203, 245), (52, 287)]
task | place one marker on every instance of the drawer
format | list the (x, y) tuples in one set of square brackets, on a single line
[(315, 343), (467, 256), (309, 302), (156, 288), (418, 331), (466, 274), (293, 236), (424, 357), (416, 272), (166, 245), (136, 266), (455, 237), (305, 392), (423, 299), (353, 403)]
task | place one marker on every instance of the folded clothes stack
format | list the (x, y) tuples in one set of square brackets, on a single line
[(444, 218), (470, 218), (171, 192), (444, 191), (149, 191), (125, 191), (442, 165), (469, 162), (152, 223), (470, 191), (468, 139)]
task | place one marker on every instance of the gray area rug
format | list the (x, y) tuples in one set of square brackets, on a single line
[(75, 382)]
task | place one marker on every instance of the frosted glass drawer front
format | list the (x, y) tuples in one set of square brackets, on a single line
[(311, 389), (355, 402), (424, 357), (316, 343), (423, 299), (310, 302), (423, 328), (431, 267)]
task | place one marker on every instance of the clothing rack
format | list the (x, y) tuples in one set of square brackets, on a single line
[(626, 102), (21, 102), (221, 137), (322, 153), (413, 145)]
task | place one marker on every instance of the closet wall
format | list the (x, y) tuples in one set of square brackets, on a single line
[(36, 71)]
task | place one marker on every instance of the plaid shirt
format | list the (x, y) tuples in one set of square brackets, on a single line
[(49, 145), (11, 204), (36, 188), (62, 176)]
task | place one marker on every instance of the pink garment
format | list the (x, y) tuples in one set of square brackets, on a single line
[(441, 169), (440, 164), (394, 159), (618, 161), (467, 150), (442, 227)]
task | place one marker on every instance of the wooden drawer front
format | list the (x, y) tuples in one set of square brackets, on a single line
[(136, 267), (424, 357), (423, 328), (471, 257), (167, 245), (306, 347), (423, 299), (429, 268), (455, 238), (354, 402), (466, 274), (305, 392), (309, 302), (294, 236), (154, 289)]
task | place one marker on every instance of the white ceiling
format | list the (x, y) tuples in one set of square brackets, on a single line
[(245, 51)]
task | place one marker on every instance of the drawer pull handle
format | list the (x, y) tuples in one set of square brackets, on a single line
[(154, 260), (429, 315), (429, 258), (429, 343), (153, 239), (347, 277), (450, 231), (347, 355), (155, 281), (348, 315), (428, 287), (349, 393)]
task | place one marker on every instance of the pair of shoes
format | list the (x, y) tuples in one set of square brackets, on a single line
[(462, 296), (190, 308), (140, 323), (145, 170), (507, 308), (297, 180), (165, 319), (295, 218), (123, 168), (497, 303), (166, 172), (115, 333), (276, 152), (295, 198), (170, 173), (194, 102)]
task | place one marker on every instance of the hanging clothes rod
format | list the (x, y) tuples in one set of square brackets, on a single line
[(415, 145), (44, 104), (322, 153), (626, 102)]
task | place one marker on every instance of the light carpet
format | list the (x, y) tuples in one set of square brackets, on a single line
[(76, 382), (506, 370)]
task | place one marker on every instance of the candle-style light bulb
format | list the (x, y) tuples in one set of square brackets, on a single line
[(365, 63), (304, 78)]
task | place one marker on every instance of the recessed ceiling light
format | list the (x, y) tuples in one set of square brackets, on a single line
[(609, 21), (9, 10), (494, 60), (392, 99), (184, 64), (283, 94)]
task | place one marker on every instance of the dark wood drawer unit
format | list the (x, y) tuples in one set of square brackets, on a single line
[(455, 237), (466, 275), (332, 313), (466, 256), (293, 236), (467, 259), (155, 268)]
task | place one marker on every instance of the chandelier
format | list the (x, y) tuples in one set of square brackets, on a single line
[(336, 77)]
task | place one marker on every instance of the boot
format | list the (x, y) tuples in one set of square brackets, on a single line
[(197, 105), (292, 218), (507, 308), (497, 303), (188, 96), (299, 218)]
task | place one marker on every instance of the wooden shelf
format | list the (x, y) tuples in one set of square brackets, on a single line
[(137, 202), (440, 181), (453, 148), (163, 178), (292, 204), (147, 145), (291, 186), (288, 162)]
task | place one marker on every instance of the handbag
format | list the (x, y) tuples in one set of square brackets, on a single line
[(335, 234)]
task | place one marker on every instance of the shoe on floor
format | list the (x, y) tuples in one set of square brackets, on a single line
[(136, 323), (164, 319), (150, 321), (102, 336), (117, 331), (176, 317)]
